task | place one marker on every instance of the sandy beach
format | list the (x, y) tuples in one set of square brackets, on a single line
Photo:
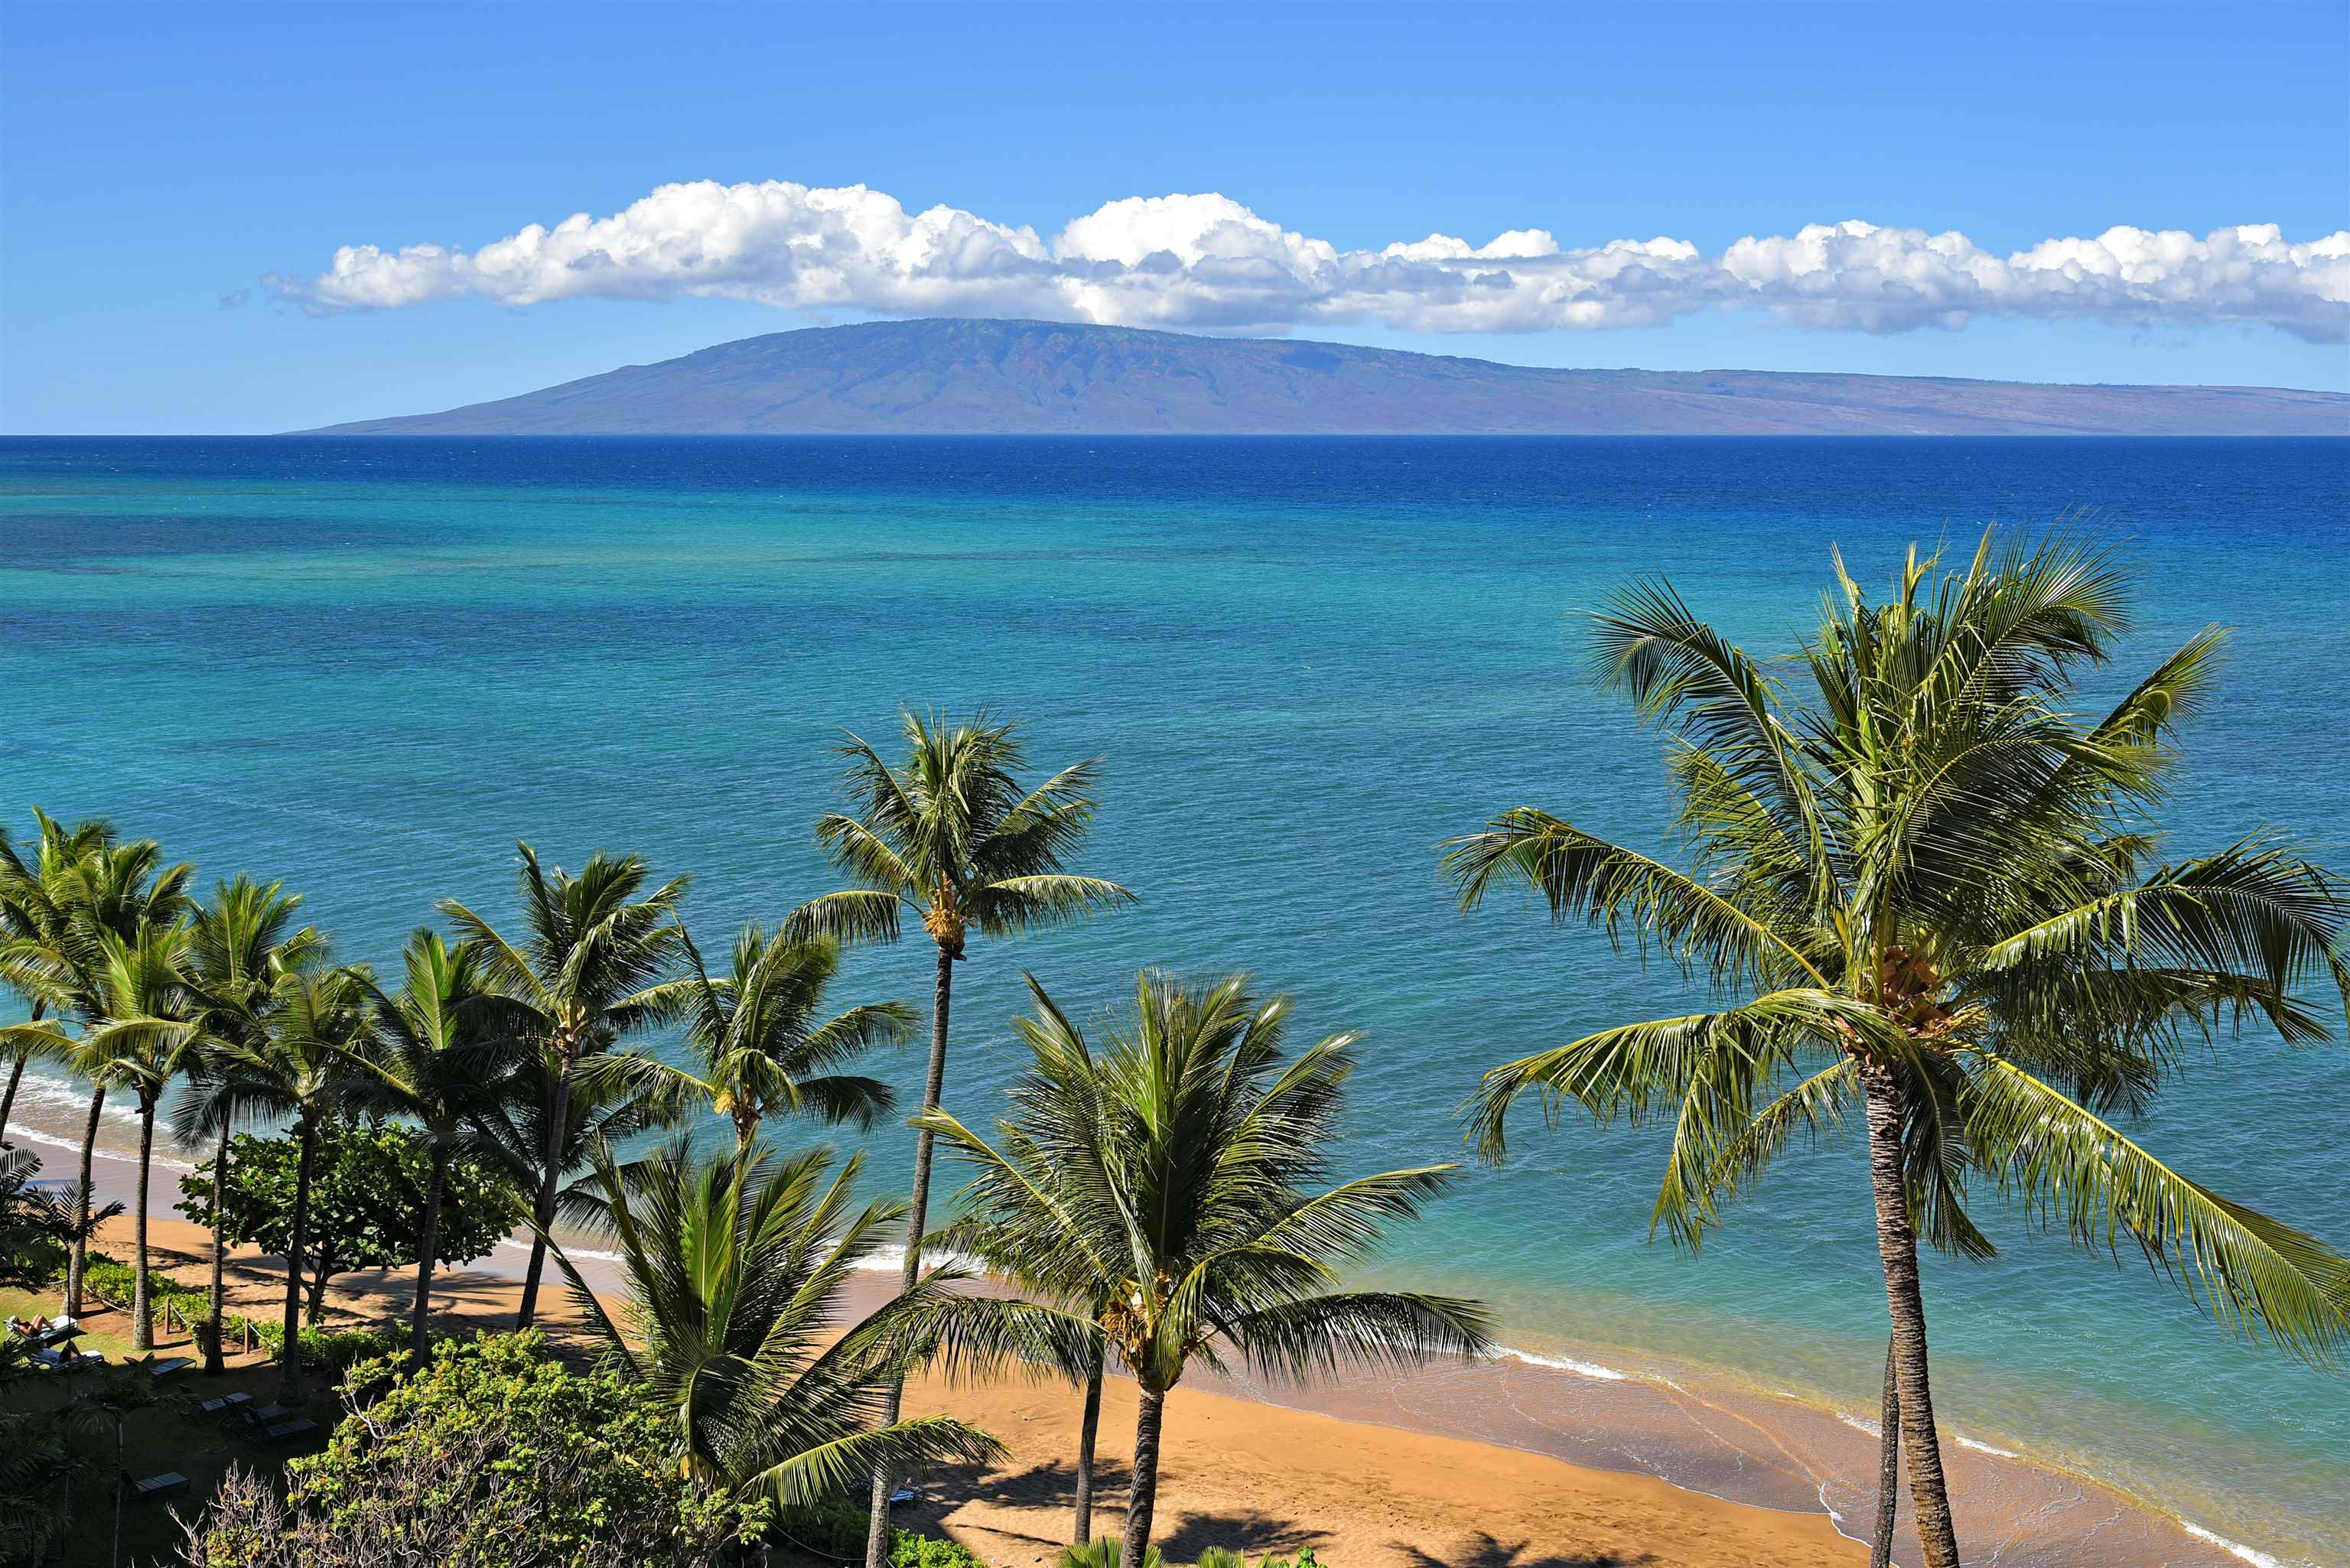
[(1236, 1471), (1502, 1464)]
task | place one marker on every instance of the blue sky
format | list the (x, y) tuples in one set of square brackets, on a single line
[(159, 162)]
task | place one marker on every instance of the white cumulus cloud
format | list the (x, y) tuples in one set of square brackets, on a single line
[(1208, 262)]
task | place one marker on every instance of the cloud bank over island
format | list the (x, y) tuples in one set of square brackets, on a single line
[(1206, 263)]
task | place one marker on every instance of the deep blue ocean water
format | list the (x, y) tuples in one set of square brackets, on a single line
[(366, 665)]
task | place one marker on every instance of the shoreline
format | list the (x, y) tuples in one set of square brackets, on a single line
[(1702, 1432)]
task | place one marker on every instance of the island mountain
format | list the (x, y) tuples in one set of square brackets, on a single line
[(1041, 377)]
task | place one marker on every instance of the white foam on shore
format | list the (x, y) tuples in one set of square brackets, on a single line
[(1874, 1430), (2230, 1547), (69, 1099), (887, 1260), (1564, 1363), (522, 1244), (73, 1146), (2233, 1548)]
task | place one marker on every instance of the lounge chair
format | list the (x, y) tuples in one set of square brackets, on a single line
[(165, 1368), (263, 1414), (287, 1431), (225, 1402), (163, 1485), (58, 1361)]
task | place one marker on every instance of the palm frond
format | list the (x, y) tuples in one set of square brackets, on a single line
[(1580, 875), (2063, 1164)]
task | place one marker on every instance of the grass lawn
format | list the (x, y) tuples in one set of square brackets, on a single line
[(167, 1436)]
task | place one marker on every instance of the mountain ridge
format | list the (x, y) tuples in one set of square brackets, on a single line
[(945, 376)]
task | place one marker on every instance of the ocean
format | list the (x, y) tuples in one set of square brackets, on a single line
[(368, 666)]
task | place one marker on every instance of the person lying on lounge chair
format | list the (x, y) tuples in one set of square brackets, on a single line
[(45, 1330)]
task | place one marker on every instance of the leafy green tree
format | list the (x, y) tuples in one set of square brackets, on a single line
[(446, 1049), (1932, 888), (365, 1205), (737, 1269), (592, 944), (494, 1454), (243, 950), (1183, 1175), (955, 839), (83, 885), (761, 1044)]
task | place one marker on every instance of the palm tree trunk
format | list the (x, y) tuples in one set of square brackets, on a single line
[(77, 1261), (16, 1076), (8, 1100), (876, 1532), (213, 1363), (289, 1359), (541, 1212), (1889, 1464), (143, 1314), (1144, 1498), (1088, 1431), (314, 1294), (1897, 1252), (428, 1229)]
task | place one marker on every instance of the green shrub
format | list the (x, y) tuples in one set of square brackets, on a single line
[(497, 1437), (1102, 1551), (1305, 1559), (908, 1550), (336, 1348), (1222, 1557), (116, 1283), (834, 1527)]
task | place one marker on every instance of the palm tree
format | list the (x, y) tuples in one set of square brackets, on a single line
[(605, 1111), (761, 1045), (737, 1269), (1184, 1176), (22, 905), (1021, 1247), (320, 1020), (445, 1049), (151, 1033), (954, 838), (83, 887), (28, 1213), (242, 949), (1930, 884), (596, 941)]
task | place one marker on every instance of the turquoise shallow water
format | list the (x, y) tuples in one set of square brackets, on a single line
[(366, 667)]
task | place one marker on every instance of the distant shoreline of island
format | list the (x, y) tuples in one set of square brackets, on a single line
[(963, 377)]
